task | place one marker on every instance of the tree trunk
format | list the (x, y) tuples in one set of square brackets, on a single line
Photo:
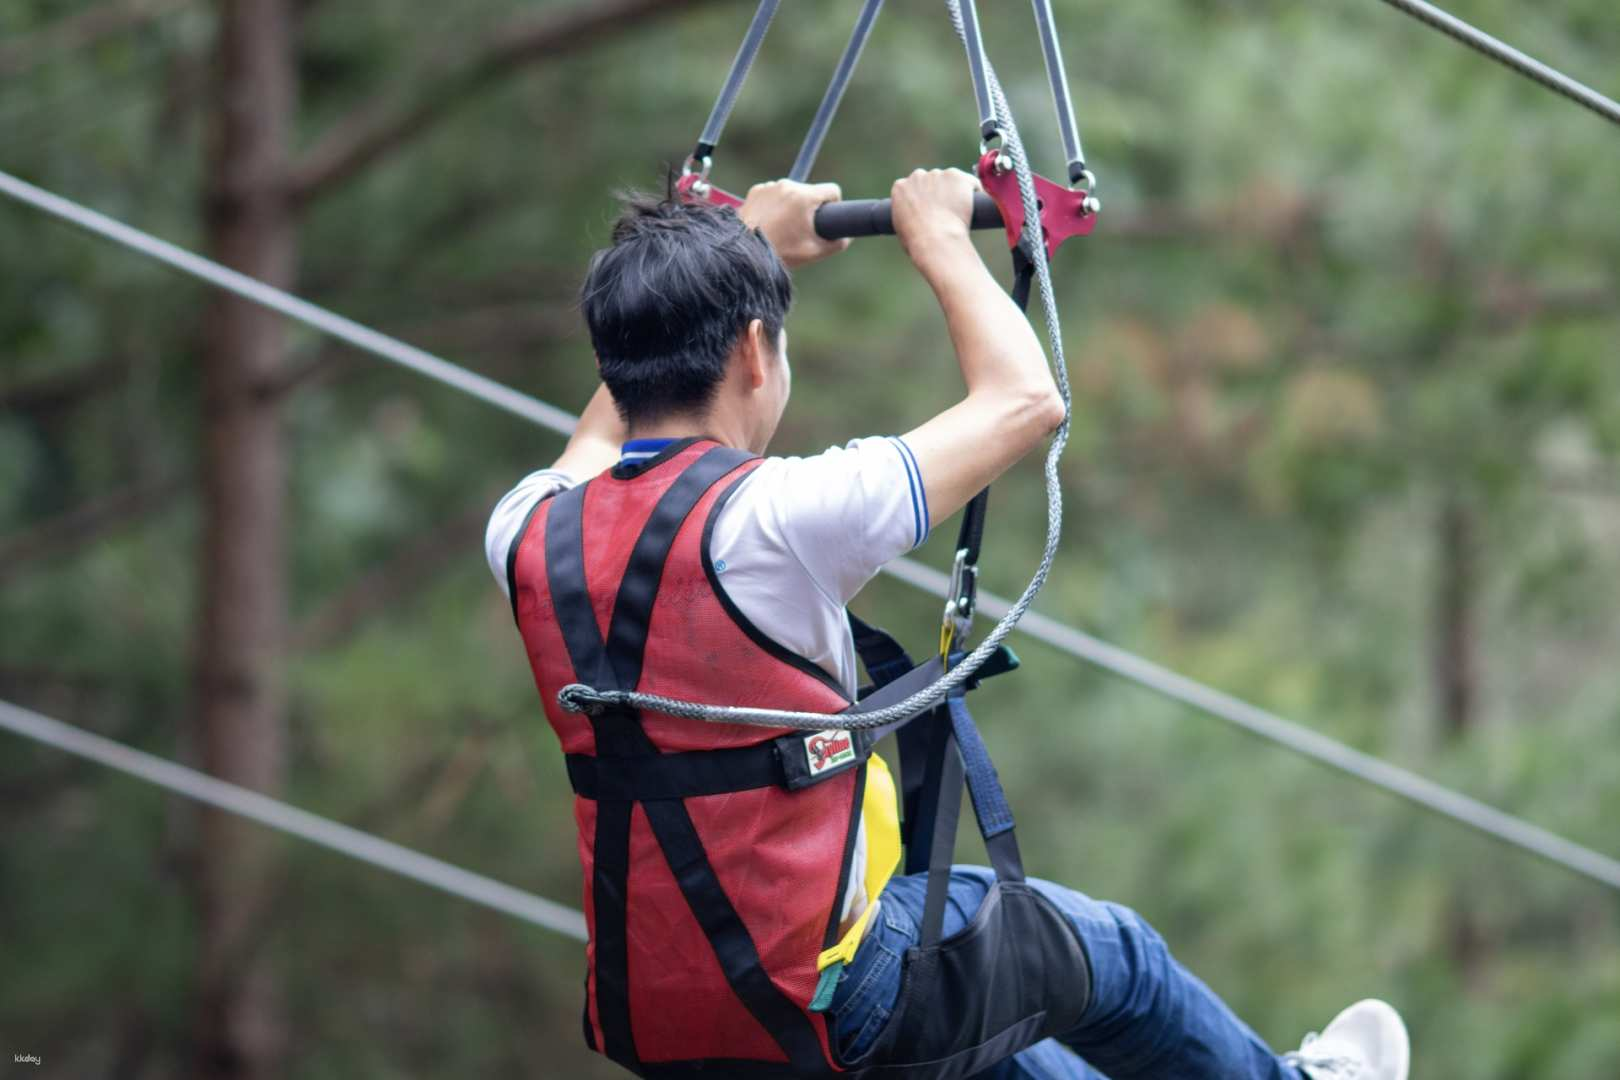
[(1468, 941), (1455, 632), (240, 698)]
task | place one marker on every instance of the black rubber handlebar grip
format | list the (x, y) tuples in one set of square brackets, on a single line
[(875, 217)]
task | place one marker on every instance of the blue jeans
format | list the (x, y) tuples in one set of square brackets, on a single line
[(1148, 1016)]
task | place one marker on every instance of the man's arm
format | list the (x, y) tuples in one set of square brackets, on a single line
[(593, 448), (594, 445), (1012, 404)]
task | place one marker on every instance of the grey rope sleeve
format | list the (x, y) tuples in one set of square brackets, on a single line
[(967, 28), (577, 697), (1068, 129), (740, 66), (811, 147), (1509, 57)]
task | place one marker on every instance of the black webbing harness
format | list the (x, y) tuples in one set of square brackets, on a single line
[(629, 770), (941, 751)]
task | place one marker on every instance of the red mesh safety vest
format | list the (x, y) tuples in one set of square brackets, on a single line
[(715, 856)]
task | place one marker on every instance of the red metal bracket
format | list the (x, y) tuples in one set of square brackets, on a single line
[(693, 186), (1063, 210)]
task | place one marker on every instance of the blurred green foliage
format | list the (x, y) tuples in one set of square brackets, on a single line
[(1348, 276)]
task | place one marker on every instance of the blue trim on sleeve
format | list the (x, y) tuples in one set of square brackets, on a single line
[(922, 492), (916, 500)]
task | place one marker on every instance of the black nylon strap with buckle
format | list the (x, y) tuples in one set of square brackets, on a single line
[(786, 761)]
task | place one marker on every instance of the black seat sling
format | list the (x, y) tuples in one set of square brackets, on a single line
[(1016, 973)]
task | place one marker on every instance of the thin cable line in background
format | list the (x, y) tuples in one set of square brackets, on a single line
[(289, 819), (319, 318), (1287, 734), (1509, 57), (1291, 736)]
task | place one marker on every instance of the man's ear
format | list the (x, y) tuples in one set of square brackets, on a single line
[(756, 353)]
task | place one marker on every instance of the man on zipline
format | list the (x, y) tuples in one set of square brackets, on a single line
[(743, 924)]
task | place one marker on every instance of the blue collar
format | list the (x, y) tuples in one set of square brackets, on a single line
[(641, 449)]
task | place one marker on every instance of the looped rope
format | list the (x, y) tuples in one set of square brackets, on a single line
[(578, 698)]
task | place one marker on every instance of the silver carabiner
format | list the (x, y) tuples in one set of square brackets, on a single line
[(962, 599), (700, 186)]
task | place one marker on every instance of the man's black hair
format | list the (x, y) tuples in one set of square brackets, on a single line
[(667, 301)]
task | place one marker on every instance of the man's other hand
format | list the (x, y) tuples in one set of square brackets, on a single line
[(932, 206), (785, 212)]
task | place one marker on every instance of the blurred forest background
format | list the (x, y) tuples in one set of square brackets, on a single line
[(1347, 445)]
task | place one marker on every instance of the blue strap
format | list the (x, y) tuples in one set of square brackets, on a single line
[(989, 800), (958, 756)]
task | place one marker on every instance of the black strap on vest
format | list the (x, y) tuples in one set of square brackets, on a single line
[(781, 762), (939, 751), (616, 663), (885, 661)]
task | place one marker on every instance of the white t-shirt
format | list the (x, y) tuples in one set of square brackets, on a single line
[(795, 543)]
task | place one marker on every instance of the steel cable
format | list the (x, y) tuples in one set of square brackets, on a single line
[(1068, 130), (289, 819), (1286, 734), (361, 337), (1509, 57)]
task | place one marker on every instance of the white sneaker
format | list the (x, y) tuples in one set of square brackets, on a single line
[(1367, 1041)]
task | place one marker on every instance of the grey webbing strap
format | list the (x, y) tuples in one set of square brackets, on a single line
[(835, 92), (944, 783), (976, 70), (1068, 130), (734, 81)]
